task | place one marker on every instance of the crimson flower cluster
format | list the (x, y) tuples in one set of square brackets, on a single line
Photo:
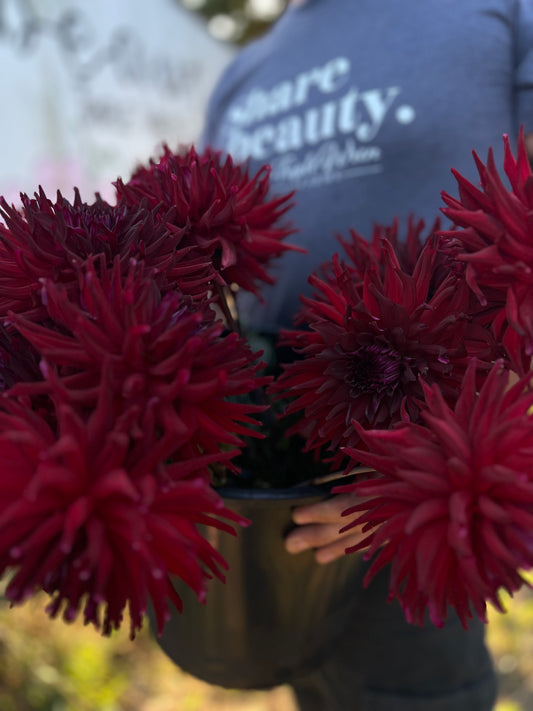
[(122, 389), (405, 353)]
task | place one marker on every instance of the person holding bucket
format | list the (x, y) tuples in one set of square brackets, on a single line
[(362, 108)]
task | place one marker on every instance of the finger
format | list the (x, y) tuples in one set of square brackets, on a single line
[(327, 511), (316, 536), (311, 537), (329, 553)]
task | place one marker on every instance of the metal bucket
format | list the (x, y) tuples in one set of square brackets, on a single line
[(278, 615)]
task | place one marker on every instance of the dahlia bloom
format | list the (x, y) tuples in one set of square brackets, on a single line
[(49, 240), (122, 391), (496, 244), (168, 359), (224, 214), (84, 516), (452, 507), (407, 246), (368, 344)]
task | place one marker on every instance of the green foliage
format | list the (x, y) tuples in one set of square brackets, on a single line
[(47, 665), (510, 638), (248, 24)]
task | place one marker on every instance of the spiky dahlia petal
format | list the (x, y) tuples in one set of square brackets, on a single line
[(407, 243)]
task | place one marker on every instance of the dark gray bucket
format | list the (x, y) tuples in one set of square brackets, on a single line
[(278, 615)]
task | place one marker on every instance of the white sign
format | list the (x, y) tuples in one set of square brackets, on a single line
[(90, 89)]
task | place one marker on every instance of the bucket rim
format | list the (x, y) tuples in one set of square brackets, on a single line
[(298, 491)]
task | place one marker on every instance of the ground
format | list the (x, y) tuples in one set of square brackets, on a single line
[(47, 665)]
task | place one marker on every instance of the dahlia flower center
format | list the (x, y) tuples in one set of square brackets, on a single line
[(101, 221), (374, 368)]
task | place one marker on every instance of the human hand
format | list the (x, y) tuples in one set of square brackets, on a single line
[(319, 525)]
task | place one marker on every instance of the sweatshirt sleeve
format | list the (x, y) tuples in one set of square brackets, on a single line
[(523, 85), (212, 117), (243, 65)]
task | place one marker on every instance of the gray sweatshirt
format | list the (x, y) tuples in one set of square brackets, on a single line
[(363, 107)]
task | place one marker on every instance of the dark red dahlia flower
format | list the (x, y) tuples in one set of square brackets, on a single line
[(361, 252), (368, 345), (226, 215), (452, 507), (47, 240), (496, 244), (83, 516), (168, 359)]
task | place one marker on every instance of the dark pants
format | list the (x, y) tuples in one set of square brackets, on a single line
[(384, 664)]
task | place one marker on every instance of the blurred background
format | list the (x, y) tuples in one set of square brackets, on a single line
[(90, 90), (48, 665)]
